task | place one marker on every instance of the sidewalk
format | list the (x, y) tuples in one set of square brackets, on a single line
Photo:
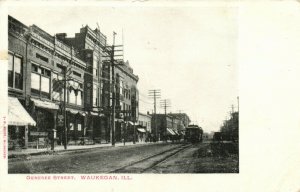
[(60, 148)]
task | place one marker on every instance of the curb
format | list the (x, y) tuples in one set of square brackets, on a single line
[(49, 152)]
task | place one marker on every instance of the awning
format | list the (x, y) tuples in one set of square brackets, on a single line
[(170, 131), (73, 111), (141, 130), (119, 120), (92, 113), (175, 132), (82, 113), (95, 114), (17, 115), (44, 104)]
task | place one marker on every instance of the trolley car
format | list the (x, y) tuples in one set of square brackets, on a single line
[(193, 134)]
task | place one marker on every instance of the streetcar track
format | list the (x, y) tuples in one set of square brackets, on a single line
[(164, 159), (132, 164)]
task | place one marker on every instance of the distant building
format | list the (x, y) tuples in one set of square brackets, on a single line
[(144, 121), (168, 125)]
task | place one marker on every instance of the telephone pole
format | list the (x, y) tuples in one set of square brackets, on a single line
[(155, 94), (110, 50), (165, 103), (113, 91)]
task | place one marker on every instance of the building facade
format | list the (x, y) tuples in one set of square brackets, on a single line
[(144, 127), (168, 125), (40, 66)]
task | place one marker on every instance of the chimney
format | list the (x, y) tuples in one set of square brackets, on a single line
[(61, 36)]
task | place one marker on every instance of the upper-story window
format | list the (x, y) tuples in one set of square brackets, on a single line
[(75, 93), (45, 59), (40, 81), (95, 65), (95, 96), (57, 84), (15, 74)]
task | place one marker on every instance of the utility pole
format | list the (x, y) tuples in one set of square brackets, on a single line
[(110, 51), (155, 94), (165, 103), (65, 114), (112, 60)]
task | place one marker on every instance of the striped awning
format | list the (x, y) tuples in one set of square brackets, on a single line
[(17, 115), (170, 132)]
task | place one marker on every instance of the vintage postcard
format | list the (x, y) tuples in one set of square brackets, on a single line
[(145, 95)]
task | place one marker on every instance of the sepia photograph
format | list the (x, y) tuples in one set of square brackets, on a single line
[(148, 95), (122, 90)]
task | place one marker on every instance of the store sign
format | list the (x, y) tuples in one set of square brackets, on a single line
[(35, 133)]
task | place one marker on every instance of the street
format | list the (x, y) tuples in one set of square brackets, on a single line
[(150, 158)]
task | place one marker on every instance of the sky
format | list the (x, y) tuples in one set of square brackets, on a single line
[(189, 53)]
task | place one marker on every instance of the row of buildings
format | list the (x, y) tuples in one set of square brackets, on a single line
[(50, 75)]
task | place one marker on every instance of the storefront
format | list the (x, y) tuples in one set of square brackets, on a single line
[(76, 128), (45, 114), (141, 134), (19, 122)]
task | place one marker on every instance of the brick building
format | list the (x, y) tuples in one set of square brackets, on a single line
[(94, 50), (169, 125), (38, 65)]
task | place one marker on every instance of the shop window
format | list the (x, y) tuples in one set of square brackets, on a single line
[(15, 75), (79, 127), (71, 126)]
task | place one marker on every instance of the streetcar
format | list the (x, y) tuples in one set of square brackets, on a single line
[(193, 134)]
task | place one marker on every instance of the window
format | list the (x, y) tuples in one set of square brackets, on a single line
[(79, 98), (95, 96), (45, 84), (40, 81), (45, 59), (72, 97), (76, 74), (71, 126), (121, 87), (75, 93), (57, 87), (15, 74), (79, 127), (95, 65), (35, 81)]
